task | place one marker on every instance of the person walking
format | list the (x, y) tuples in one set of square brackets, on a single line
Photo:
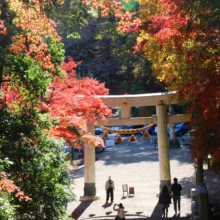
[(121, 213), (165, 200), (176, 188), (109, 187)]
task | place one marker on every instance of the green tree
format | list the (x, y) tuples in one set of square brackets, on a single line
[(39, 164), (107, 55), (7, 210), (27, 67), (70, 16)]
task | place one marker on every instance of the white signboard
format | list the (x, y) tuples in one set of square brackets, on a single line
[(110, 143)]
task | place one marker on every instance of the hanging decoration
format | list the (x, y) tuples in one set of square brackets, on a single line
[(118, 139), (132, 138), (105, 134), (127, 131), (146, 134)]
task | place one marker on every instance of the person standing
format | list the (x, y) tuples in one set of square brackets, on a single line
[(155, 142), (120, 210), (109, 187), (165, 200), (176, 188)]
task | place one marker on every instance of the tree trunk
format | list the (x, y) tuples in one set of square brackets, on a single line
[(199, 176)]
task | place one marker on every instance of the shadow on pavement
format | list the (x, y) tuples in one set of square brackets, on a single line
[(78, 173), (129, 152), (111, 217), (108, 213), (106, 205), (80, 209), (157, 214), (187, 183)]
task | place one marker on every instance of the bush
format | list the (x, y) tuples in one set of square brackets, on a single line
[(6, 209), (39, 166), (41, 173)]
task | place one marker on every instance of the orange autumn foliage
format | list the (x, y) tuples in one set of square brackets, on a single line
[(35, 26), (7, 185), (75, 102)]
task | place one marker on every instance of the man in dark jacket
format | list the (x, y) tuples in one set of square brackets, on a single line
[(176, 188)]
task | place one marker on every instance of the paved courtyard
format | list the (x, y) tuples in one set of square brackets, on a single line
[(135, 164)]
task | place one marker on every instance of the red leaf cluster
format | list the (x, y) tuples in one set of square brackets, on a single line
[(7, 185), (75, 102)]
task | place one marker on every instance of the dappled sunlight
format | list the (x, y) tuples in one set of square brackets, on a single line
[(135, 164)]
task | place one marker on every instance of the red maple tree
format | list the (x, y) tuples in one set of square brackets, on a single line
[(75, 102)]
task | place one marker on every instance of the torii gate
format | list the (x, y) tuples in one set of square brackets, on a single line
[(125, 102)]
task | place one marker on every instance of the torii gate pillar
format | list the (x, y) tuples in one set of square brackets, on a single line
[(163, 146), (89, 170)]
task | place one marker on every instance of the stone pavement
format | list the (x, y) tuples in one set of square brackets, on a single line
[(135, 164)]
